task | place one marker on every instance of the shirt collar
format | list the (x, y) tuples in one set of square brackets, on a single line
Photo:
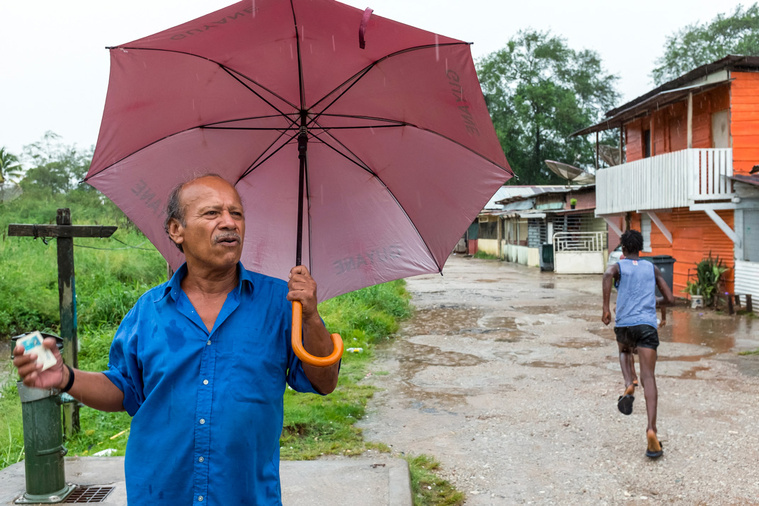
[(174, 285)]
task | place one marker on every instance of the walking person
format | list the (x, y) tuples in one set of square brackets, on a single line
[(636, 326)]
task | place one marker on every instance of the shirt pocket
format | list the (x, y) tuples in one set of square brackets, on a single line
[(259, 370)]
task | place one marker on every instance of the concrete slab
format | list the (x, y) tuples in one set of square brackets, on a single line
[(370, 480)]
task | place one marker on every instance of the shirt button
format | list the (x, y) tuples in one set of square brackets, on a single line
[(208, 343), (205, 382), (200, 498), (202, 421), (201, 459)]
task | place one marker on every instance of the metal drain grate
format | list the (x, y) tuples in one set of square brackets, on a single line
[(88, 495)]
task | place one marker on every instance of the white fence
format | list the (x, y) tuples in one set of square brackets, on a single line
[(579, 252), (677, 179)]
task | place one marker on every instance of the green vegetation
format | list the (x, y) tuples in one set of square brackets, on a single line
[(539, 91), (485, 256), (428, 487), (709, 273), (702, 43), (112, 273)]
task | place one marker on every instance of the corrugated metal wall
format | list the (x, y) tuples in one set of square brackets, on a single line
[(747, 278), (750, 236), (669, 128), (694, 235), (744, 123)]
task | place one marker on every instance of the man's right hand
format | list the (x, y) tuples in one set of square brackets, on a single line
[(606, 318), (32, 374)]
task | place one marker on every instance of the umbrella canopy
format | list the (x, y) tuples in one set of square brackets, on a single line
[(400, 152)]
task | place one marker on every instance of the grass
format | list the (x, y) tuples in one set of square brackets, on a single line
[(112, 273), (427, 487), (485, 256)]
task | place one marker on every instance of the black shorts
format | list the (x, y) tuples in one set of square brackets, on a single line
[(638, 336)]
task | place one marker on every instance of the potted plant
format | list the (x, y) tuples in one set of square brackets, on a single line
[(694, 290), (704, 291), (572, 203)]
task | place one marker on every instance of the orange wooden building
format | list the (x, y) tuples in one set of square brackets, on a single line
[(685, 147)]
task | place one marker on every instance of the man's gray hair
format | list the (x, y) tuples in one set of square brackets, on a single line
[(174, 206)]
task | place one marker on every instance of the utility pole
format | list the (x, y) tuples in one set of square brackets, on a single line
[(65, 232)]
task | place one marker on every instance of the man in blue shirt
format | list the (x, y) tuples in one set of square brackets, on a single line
[(201, 363), (635, 326)]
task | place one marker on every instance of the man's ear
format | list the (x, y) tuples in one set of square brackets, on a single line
[(176, 231)]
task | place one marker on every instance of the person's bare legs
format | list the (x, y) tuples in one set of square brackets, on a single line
[(632, 366), (627, 363), (647, 358)]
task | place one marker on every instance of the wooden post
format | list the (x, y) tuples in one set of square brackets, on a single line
[(65, 232), (596, 151), (690, 121)]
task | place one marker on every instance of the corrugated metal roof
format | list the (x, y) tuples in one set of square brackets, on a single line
[(753, 180)]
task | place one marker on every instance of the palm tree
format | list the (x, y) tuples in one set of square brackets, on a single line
[(9, 166)]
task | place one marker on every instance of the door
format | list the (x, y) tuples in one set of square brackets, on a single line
[(720, 131)]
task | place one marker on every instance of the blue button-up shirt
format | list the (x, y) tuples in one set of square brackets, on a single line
[(206, 406)]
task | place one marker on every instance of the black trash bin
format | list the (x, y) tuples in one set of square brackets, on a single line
[(665, 264), (546, 256)]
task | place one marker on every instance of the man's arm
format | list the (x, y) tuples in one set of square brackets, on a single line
[(611, 273), (93, 389), (316, 338)]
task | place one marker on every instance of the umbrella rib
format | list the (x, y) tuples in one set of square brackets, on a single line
[(361, 73), (404, 124), (366, 167), (258, 161), (231, 72)]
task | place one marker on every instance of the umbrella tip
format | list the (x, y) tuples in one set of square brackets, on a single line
[(362, 27)]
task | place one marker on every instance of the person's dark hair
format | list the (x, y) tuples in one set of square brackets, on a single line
[(174, 206), (632, 241)]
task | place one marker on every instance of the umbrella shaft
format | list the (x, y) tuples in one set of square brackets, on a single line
[(302, 148)]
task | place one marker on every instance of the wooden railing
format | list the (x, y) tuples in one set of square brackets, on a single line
[(677, 179)]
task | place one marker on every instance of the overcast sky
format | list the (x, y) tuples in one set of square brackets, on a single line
[(55, 66)]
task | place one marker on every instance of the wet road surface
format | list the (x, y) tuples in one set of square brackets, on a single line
[(507, 376)]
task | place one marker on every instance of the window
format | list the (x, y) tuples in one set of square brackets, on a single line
[(646, 143)]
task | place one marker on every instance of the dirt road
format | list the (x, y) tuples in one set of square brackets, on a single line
[(507, 376)]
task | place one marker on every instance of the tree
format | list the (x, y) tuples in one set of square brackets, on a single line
[(699, 44), (539, 91), (56, 167), (9, 167)]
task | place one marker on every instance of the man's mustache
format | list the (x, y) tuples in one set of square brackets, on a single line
[(227, 236)]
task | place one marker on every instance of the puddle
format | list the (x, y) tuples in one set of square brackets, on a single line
[(715, 333), (486, 281), (538, 309), (547, 285), (691, 373), (549, 365), (418, 356), (442, 321), (580, 344)]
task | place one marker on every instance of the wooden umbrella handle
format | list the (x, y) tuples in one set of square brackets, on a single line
[(301, 352)]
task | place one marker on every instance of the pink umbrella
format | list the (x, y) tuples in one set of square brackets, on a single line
[(362, 148)]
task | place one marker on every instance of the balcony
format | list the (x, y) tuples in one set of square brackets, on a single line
[(679, 179)]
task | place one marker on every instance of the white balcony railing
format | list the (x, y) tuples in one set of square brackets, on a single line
[(677, 179)]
